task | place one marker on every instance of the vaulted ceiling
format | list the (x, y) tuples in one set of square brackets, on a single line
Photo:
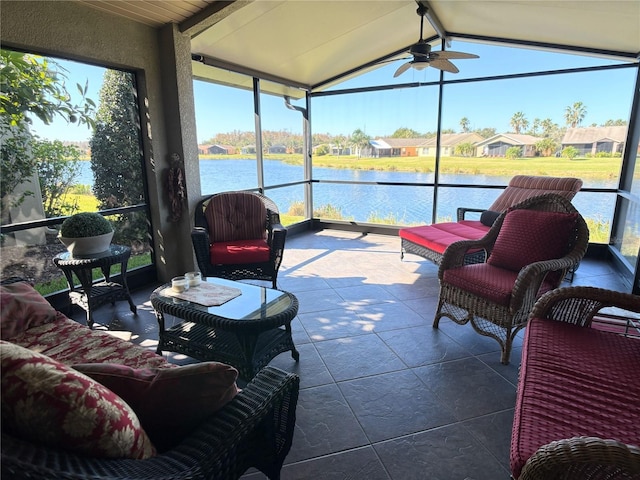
[(312, 43)]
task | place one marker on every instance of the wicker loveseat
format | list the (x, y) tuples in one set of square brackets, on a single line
[(577, 413), (250, 428)]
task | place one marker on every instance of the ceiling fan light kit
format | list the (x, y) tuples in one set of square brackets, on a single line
[(422, 56)]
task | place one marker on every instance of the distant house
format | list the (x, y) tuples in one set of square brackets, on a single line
[(216, 150), (448, 143), (203, 149), (396, 147), (337, 151), (278, 148), (248, 150), (497, 145), (595, 139)]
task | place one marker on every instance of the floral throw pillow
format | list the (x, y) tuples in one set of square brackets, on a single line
[(22, 307), (47, 402)]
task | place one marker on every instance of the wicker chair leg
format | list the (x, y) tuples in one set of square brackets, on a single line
[(506, 350)]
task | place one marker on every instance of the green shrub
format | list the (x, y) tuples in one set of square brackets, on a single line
[(85, 224)]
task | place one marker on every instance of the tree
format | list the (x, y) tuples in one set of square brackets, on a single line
[(546, 147), (549, 128), (465, 149), (464, 124), (570, 152), (116, 156), (31, 86), (360, 140), (58, 166), (615, 123), (519, 122), (535, 126), (485, 132), (574, 114), (340, 141), (513, 153), (404, 132)]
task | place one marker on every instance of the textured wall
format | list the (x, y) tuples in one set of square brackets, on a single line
[(78, 32)]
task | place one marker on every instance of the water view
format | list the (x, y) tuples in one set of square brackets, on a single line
[(399, 204)]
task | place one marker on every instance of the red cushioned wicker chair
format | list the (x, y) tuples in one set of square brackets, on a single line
[(238, 235), (529, 249)]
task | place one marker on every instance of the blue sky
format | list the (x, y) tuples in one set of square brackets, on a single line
[(606, 95)]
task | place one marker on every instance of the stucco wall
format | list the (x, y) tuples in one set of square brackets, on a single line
[(78, 32)]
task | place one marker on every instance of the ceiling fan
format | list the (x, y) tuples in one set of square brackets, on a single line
[(422, 56)]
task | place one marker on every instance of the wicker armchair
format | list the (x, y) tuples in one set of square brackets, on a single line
[(255, 429), (238, 235), (497, 295)]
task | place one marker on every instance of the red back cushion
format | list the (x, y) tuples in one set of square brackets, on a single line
[(22, 307), (529, 236), (170, 402), (47, 402), (236, 216)]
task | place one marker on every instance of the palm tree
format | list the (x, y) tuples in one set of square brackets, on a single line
[(464, 124), (360, 140), (519, 122), (574, 114)]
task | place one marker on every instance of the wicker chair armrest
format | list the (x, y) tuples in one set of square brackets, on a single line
[(531, 277), (278, 238), (583, 457), (462, 212), (260, 418), (201, 244), (578, 305), (454, 255)]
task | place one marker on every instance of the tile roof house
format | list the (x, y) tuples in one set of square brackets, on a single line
[(396, 147), (216, 149), (497, 145), (596, 139), (448, 143)]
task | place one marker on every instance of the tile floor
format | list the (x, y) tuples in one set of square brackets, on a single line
[(383, 394)]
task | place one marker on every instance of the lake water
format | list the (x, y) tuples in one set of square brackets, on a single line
[(405, 204)]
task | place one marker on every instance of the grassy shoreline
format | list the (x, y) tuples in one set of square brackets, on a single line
[(592, 168)]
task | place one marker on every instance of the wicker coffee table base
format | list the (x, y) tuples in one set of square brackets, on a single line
[(247, 353)]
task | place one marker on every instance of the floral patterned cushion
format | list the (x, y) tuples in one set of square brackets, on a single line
[(47, 402), (170, 403), (22, 307), (70, 342)]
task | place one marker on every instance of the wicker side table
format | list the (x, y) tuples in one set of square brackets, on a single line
[(91, 295)]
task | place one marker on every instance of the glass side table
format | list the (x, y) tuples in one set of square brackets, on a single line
[(92, 294)]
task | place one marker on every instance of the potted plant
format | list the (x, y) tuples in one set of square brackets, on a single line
[(86, 233)]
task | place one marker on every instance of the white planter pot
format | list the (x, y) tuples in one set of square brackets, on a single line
[(87, 245)]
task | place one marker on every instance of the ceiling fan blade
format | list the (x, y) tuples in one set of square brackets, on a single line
[(451, 54), (444, 64), (403, 68)]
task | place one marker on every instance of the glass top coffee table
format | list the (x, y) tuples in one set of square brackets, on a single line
[(247, 330)]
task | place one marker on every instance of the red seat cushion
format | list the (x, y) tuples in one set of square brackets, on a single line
[(439, 236), (487, 281), (240, 252), (529, 236), (574, 381)]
